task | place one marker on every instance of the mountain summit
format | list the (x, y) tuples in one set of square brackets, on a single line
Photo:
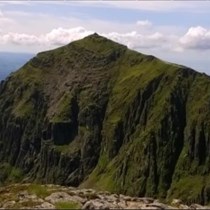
[(97, 114)]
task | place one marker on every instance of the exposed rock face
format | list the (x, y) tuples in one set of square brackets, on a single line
[(96, 114)]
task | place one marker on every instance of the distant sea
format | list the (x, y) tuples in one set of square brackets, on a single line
[(10, 62)]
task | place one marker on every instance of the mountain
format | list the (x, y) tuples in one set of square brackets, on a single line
[(96, 114), (12, 61)]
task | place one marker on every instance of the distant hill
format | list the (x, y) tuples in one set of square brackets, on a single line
[(12, 61)]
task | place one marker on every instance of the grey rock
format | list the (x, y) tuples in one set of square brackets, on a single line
[(176, 202), (183, 206), (96, 204), (146, 200), (88, 205), (58, 196), (158, 205), (197, 206), (9, 204), (45, 205)]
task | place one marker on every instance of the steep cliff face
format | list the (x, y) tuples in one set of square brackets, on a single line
[(94, 113)]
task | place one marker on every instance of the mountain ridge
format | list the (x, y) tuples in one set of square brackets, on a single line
[(94, 113)]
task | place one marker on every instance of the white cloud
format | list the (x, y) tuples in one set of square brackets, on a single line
[(61, 36), (50, 31), (19, 39), (138, 41), (144, 23), (56, 37), (195, 38)]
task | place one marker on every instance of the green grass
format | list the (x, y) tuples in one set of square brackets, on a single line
[(188, 188), (30, 75), (67, 205), (68, 149), (39, 190), (28, 204), (16, 174), (23, 109), (63, 109), (99, 45), (198, 103), (132, 79), (10, 173)]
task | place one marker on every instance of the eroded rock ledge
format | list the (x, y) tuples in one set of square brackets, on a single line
[(34, 196)]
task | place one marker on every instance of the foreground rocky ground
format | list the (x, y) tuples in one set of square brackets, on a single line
[(34, 196)]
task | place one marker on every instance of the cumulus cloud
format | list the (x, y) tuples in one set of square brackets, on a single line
[(144, 23), (136, 40), (195, 38), (20, 39), (56, 37), (62, 36)]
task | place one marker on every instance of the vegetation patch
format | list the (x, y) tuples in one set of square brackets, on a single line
[(63, 109), (9, 173), (189, 189), (39, 190), (28, 204), (67, 205)]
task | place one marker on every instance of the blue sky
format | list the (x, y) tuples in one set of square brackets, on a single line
[(176, 31)]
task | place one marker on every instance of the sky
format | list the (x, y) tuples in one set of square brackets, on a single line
[(175, 31)]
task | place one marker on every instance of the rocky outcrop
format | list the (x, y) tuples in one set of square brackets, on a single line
[(31, 196)]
